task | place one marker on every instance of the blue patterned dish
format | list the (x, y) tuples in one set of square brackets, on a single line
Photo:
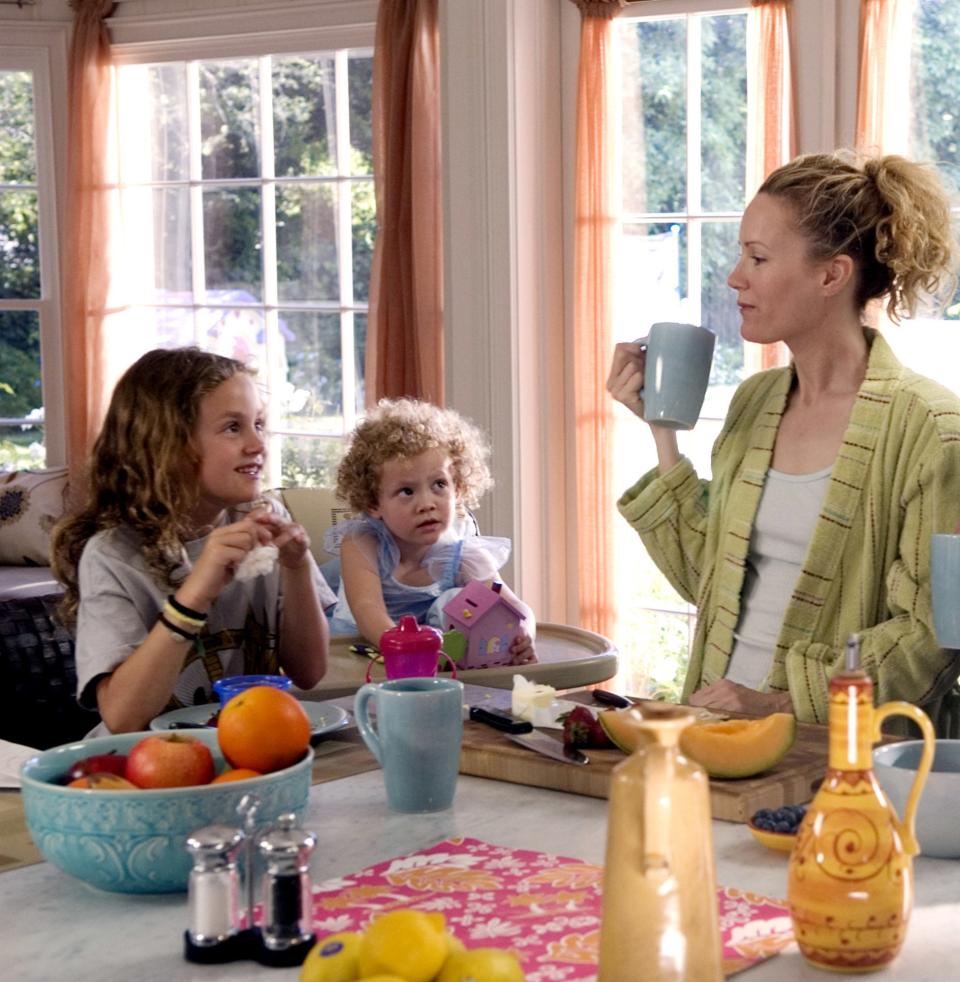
[(233, 685), (133, 841)]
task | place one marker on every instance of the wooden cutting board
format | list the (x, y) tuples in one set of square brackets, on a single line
[(487, 753)]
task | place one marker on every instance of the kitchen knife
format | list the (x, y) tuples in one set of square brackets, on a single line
[(520, 732), (500, 720), (535, 740), (611, 699)]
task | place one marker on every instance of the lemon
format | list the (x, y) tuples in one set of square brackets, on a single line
[(481, 965), (333, 959), (408, 943)]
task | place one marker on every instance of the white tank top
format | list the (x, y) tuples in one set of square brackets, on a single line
[(788, 511)]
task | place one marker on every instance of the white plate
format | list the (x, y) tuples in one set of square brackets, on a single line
[(325, 717)]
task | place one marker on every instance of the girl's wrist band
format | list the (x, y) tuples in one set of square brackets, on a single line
[(173, 611), (176, 632), (190, 626), (185, 613)]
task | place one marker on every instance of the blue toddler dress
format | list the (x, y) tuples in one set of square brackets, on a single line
[(458, 557)]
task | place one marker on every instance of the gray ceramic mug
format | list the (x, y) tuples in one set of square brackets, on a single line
[(676, 374), (945, 587), (416, 738)]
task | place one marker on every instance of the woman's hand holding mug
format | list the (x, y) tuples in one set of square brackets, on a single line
[(625, 381)]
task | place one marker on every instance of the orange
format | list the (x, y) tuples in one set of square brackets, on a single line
[(264, 729), (235, 774)]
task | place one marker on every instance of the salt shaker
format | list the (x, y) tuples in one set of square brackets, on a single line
[(286, 933), (213, 894)]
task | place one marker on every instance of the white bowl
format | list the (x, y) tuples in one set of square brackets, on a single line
[(895, 765)]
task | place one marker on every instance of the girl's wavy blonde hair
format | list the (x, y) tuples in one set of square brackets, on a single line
[(143, 467), (889, 214), (405, 428)]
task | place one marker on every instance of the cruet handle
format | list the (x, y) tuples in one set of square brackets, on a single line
[(906, 826)]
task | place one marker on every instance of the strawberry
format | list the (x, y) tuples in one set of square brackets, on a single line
[(581, 729)]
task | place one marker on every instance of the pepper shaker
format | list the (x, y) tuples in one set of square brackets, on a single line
[(286, 932), (213, 895)]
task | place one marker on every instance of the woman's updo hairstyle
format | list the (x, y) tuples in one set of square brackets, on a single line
[(889, 214)]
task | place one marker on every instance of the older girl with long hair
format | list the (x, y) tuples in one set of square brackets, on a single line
[(153, 563)]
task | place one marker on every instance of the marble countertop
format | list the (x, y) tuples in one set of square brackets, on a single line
[(56, 927)]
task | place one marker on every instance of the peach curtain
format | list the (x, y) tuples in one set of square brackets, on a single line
[(771, 115), (86, 227), (883, 86), (596, 208), (405, 331)]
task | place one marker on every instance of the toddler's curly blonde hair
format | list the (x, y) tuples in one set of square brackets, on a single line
[(403, 428)]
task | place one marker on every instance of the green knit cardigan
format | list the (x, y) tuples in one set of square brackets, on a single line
[(895, 482)]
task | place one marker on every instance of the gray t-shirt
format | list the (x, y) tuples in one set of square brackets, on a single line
[(121, 599)]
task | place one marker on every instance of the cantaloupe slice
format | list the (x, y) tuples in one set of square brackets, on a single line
[(740, 747), (733, 748)]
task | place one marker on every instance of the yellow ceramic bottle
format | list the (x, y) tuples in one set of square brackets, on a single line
[(850, 881), (660, 919)]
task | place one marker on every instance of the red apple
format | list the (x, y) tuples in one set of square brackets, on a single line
[(169, 762), (111, 763)]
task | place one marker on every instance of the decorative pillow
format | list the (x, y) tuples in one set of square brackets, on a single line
[(31, 502)]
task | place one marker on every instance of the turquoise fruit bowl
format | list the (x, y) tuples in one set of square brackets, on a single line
[(134, 841)]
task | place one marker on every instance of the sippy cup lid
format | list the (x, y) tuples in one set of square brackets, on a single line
[(408, 636)]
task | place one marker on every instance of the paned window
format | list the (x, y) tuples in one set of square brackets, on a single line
[(684, 138), (247, 218), (930, 343), (28, 295)]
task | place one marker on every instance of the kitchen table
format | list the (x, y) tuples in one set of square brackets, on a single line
[(55, 927)]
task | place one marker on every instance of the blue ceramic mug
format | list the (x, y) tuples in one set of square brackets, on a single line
[(676, 373), (945, 585), (416, 739)]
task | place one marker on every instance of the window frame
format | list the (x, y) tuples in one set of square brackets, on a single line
[(41, 49), (239, 33), (694, 217), (670, 611)]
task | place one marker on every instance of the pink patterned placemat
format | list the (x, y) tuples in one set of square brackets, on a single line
[(543, 908)]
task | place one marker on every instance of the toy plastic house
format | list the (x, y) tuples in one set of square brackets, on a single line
[(487, 622)]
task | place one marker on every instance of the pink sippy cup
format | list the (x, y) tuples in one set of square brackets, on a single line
[(410, 650)]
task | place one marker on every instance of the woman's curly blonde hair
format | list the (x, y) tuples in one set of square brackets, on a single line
[(403, 428), (143, 467), (889, 214)]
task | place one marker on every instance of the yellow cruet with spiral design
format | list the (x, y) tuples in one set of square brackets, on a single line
[(850, 881)]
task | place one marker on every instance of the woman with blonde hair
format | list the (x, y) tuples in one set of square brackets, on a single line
[(830, 475)]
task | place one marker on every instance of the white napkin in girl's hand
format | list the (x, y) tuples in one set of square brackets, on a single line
[(12, 755), (538, 703), (257, 562)]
